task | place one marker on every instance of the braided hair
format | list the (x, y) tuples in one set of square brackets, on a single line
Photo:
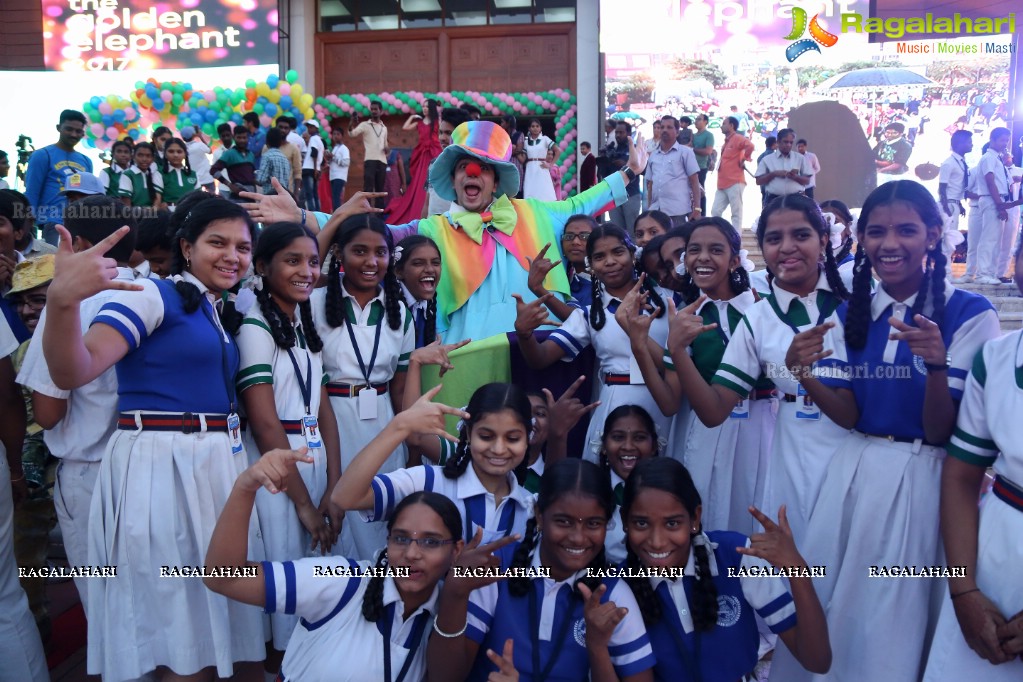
[(149, 171), (165, 164), (373, 597), (668, 475), (202, 212), (346, 232), (408, 245), (738, 279), (488, 399), (621, 412), (932, 285), (812, 212), (564, 477), (273, 239), (597, 315)]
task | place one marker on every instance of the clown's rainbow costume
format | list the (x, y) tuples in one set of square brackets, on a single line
[(484, 255)]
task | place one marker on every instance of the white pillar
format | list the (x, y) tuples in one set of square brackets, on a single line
[(589, 97), (301, 46)]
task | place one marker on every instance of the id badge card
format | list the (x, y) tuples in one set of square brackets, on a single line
[(741, 410), (311, 428), (234, 432), (805, 407), (367, 403)]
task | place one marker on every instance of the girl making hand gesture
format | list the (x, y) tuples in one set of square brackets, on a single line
[(569, 626), (352, 627), (170, 466), (702, 625), (898, 382)]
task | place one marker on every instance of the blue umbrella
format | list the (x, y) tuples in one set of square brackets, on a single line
[(626, 116), (879, 77)]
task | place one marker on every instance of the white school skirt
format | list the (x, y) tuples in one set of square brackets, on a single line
[(801, 450), (878, 507), (999, 556), (359, 539), (615, 396), (284, 537), (157, 499), (728, 464)]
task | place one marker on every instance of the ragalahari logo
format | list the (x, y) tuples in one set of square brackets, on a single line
[(818, 35)]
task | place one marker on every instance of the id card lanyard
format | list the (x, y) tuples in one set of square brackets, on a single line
[(367, 398), (233, 421), (310, 427), (417, 638)]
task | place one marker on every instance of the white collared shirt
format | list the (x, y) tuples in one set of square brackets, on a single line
[(669, 171), (91, 415), (777, 162), (953, 174)]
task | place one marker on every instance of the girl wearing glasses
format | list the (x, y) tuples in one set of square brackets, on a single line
[(573, 245), (351, 628), (482, 474)]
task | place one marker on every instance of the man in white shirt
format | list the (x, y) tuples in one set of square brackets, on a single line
[(953, 178), (374, 140), (340, 160), (311, 161), (994, 197), (673, 176), (785, 171), (197, 157), (813, 162)]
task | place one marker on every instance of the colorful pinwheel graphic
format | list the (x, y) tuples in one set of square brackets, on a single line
[(818, 35)]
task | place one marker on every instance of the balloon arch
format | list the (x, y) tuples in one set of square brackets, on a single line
[(177, 105)]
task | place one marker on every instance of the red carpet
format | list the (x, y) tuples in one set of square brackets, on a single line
[(69, 630)]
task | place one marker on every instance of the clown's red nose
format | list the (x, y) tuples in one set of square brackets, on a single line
[(473, 170)]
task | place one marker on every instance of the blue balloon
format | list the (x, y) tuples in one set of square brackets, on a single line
[(211, 116), (272, 81), (95, 102), (236, 118), (270, 109), (107, 120), (158, 104), (286, 102), (197, 118), (119, 115), (133, 133)]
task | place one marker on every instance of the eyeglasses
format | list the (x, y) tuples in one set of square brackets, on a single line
[(570, 236), (34, 302), (425, 544)]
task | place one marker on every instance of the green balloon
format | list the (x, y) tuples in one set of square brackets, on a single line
[(178, 100), (258, 108), (208, 128), (250, 83), (291, 76)]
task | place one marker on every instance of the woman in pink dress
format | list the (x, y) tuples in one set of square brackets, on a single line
[(409, 206)]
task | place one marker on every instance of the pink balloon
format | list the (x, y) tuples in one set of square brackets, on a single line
[(130, 114), (284, 88), (104, 108), (166, 96), (112, 133), (97, 129), (265, 121)]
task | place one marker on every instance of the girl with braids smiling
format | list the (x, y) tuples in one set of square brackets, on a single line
[(169, 467), (909, 346), (417, 266), (702, 626), (146, 179), (481, 476), (610, 254), (282, 387), (353, 627), (727, 461), (368, 336), (569, 626), (805, 291)]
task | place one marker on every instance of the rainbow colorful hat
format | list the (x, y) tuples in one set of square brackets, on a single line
[(482, 140)]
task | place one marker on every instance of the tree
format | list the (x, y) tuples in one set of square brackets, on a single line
[(695, 69), (866, 64)]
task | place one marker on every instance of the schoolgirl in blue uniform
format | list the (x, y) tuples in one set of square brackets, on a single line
[(909, 347), (702, 626), (368, 337), (569, 626), (169, 467), (417, 266), (573, 244), (805, 291), (610, 254), (283, 391), (352, 627), (480, 477)]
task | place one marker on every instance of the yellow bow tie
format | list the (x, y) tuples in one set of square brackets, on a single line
[(501, 216)]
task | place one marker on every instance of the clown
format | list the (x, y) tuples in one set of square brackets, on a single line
[(486, 239)]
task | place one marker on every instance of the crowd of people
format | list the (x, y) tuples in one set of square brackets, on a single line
[(244, 389)]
